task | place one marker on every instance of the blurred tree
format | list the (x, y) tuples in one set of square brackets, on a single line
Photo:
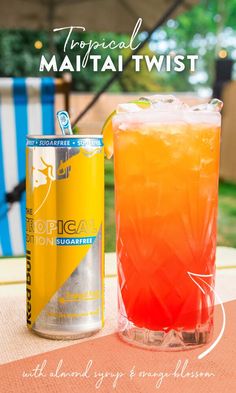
[(142, 80), (19, 57), (204, 30)]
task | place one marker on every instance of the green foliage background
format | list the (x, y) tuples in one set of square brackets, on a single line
[(203, 30)]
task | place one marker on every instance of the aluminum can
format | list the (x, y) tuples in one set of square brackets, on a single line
[(65, 235)]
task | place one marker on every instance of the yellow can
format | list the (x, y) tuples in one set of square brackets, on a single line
[(65, 235)]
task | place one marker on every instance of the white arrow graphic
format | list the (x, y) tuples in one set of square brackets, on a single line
[(201, 278)]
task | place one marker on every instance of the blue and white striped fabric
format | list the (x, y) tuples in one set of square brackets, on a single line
[(26, 107)]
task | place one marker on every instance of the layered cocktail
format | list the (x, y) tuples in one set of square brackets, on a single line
[(166, 159)]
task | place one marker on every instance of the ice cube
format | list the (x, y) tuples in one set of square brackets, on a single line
[(128, 107), (167, 103), (200, 107), (160, 99), (214, 105)]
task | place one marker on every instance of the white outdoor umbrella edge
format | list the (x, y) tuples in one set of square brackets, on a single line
[(95, 15)]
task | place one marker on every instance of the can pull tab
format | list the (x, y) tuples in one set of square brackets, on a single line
[(64, 122)]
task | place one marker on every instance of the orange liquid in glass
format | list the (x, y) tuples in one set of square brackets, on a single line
[(166, 189)]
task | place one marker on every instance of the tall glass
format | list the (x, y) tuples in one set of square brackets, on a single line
[(166, 191)]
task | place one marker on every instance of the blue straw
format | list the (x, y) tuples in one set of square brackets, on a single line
[(64, 122)]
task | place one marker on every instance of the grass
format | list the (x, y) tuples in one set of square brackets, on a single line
[(226, 216)]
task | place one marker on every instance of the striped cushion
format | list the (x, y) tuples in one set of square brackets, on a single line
[(26, 107)]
